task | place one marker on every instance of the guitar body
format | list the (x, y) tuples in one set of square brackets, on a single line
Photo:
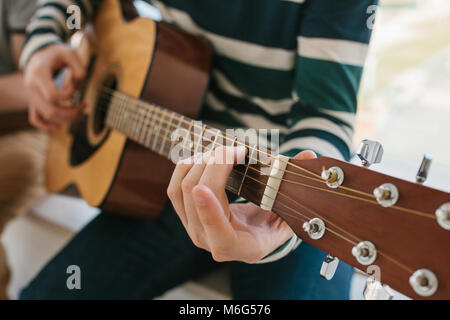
[(144, 59)]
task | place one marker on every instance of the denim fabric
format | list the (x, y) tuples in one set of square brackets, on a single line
[(126, 258)]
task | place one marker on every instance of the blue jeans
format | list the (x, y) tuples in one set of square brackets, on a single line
[(126, 258)]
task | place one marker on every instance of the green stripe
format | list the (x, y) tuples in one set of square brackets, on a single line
[(327, 136), (328, 85), (256, 81), (301, 111), (243, 105), (271, 23), (223, 117)]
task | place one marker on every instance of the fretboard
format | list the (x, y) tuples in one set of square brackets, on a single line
[(176, 137)]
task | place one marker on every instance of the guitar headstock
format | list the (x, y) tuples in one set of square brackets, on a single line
[(366, 218)]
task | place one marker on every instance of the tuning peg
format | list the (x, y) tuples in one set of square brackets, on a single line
[(422, 174), (329, 267), (370, 152), (374, 290)]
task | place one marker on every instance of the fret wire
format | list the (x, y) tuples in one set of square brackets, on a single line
[(161, 149), (176, 128), (215, 139), (189, 135), (245, 172), (155, 128), (161, 128), (140, 123), (144, 125), (123, 115), (129, 114), (147, 134), (134, 126), (164, 127), (200, 140)]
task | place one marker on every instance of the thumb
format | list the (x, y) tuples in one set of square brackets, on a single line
[(70, 58), (211, 214), (305, 155)]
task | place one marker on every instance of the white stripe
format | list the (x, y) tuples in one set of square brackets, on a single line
[(254, 121), (291, 245), (43, 23), (59, 15), (321, 146), (340, 51), (325, 125), (324, 147), (272, 107), (344, 116), (245, 52), (295, 1), (34, 43)]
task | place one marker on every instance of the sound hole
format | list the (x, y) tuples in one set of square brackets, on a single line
[(104, 99)]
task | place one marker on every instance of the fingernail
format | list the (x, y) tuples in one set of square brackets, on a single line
[(240, 154)]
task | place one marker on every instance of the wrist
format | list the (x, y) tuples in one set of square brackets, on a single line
[(282, 250)]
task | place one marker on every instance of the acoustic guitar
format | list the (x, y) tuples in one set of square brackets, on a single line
[(147, 79)]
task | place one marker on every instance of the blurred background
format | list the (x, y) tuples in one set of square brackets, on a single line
[(404, 103), (404, 99)]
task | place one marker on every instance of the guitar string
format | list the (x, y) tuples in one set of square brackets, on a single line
[(160, 111), (317, 179), (381, 253), (315, 214), (406, 210), (137, 102)]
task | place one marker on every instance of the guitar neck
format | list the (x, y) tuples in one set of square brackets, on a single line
[(176, 137)]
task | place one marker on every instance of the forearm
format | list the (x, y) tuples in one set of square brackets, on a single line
[(49, 24), (13, 95)]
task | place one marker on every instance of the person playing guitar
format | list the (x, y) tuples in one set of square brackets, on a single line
[(293, 65)]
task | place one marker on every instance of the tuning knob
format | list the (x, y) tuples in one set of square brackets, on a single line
[(374, 290), (370, 152), (329, 266), (424, 282), (422, 174)]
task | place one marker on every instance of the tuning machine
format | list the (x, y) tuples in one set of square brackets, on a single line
[(329, 267), (374, 290), (424, 282), (369, 152), (365, 252), (443, 216), (424, 168)]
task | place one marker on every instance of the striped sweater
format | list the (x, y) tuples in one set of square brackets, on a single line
[(292, 65)]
